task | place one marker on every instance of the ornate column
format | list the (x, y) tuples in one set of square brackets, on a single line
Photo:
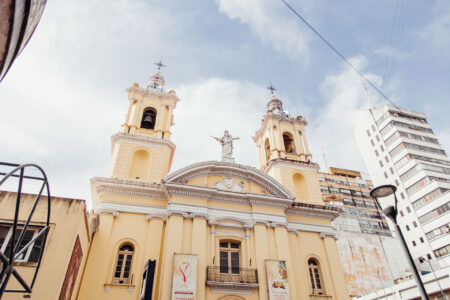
[(262, 253), (199, 248), (173, 243), (334, 265), (284, 253)]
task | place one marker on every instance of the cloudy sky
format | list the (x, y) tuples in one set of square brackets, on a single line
[(65, 94)]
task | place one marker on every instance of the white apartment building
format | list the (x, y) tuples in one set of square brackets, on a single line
[(400, 148)]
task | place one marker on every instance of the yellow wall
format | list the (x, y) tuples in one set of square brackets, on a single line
[(68, 220)]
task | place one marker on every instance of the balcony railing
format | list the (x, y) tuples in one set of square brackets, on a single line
[(233, 274)]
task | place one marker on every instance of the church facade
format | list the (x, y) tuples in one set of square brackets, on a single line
[(214, 229)]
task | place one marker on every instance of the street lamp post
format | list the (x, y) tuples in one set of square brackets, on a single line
[(391, 212), (435, 277)]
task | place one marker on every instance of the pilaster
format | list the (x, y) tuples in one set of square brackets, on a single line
[(282, 242), (199, 248), (262, 253), (173, 244)]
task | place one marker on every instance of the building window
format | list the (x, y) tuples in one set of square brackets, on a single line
[(392, 170), (288, 143), (408, 209), (396, 183), (407, 227), (33, 252), (442, 251), (148, 118), (371, 141), (124, 261), (381, 163), (401, 213), (373, 128), (402, 195), (376, 152), (382, 148), (429, 256), (435, 213), (414, 224), (368, 132), (421, 240), (377, 137), (440, 231), (385, 175), (314, 275), (386, 159), (229, 257), (414, 243)]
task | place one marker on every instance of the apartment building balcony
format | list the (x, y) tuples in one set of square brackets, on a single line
[(236, 279)]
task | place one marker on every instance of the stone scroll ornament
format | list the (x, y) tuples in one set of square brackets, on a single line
[(227, 146)]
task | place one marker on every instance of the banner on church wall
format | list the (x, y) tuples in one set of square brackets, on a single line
[(277, 279), (184, 284)]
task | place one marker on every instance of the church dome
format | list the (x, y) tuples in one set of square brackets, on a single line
[(156, 82)]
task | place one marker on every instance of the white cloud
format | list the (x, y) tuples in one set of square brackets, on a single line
[(269, 24), (210, 106), (438, 31), (332, 128)]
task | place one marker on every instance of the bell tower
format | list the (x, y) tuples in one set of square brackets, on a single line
[(284, 153), (142, 150)]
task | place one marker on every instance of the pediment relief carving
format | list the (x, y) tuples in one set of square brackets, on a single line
[(229, 184), (232, 177)]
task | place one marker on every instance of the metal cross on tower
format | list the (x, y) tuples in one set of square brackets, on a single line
[(271, 88), (160, 65)]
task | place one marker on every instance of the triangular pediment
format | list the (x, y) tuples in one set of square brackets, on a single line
[(228, 177)]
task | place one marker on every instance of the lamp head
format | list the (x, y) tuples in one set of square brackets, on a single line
[(383, 191), (388, 201)]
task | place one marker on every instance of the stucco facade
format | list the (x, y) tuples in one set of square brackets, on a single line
[(207, 209), (65, 252)]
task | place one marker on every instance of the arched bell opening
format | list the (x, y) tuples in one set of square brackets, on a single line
[(288, 141), (148, 118)]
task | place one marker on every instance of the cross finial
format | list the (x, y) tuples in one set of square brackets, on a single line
[(271, 88), (160, 65)]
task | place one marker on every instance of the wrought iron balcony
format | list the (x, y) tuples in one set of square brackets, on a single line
[(234, 278)]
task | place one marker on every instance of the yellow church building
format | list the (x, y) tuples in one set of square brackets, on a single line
[(214, 229), (211, 230)]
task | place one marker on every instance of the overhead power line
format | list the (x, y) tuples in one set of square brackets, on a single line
[(338, 53)]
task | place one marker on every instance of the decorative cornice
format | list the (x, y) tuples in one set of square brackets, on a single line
[(225, 196), (313, 210), (218, 222), (156, 216), (229, 169), (291, 163), (137, 90), (270, 116), (277, 224), (331, 234), (150, 211), (128, 187), (142, 140)]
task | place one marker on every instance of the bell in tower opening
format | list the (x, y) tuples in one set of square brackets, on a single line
[(148, 119)]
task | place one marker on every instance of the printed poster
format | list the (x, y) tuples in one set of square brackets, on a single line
[(277, 279), (184, 284)]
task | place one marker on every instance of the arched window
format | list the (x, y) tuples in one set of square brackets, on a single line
[(229, 257), (314, 275), (300, 186), (267, 149), (148, 118), (288, 140), (139, 165), (122, 271)]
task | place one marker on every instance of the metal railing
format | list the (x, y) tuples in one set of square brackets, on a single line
[(231, 274)]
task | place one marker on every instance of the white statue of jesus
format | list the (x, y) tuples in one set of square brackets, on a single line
[(227, 146)]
